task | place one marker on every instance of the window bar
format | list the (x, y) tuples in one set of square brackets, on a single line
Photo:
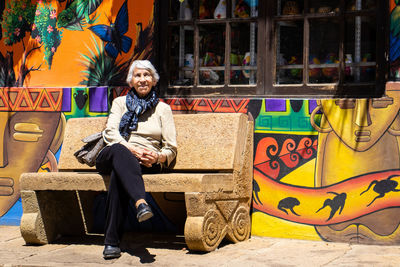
[(306, 44), (196, 45), (181, 55), (277, 60), (252, 42), (341, 43), (196, 57), (277, 51), (278, 8), (357, 40), (227, 72), (181, 51)]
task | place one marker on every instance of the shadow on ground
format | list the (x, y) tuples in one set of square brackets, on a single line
[(137, 244)]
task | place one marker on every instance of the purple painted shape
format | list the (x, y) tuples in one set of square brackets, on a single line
[(312, 104), (275, 105), (66, 100), (98, 99)]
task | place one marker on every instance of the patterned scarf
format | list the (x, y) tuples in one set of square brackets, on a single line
[(136, 106)]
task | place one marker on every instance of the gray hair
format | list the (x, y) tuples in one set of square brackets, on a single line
[(142, 64)]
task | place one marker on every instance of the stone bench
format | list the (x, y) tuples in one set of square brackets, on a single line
[(213, 168)]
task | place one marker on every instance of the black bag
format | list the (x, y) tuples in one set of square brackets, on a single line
[(88, 153)]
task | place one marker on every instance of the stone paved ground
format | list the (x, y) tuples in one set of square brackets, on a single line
[(167, 250)]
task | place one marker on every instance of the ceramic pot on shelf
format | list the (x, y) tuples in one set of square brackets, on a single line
[(185, 13), (220, 10)]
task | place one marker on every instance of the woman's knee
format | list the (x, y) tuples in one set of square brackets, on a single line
[(119, 150), (122, 153), (118, 147)]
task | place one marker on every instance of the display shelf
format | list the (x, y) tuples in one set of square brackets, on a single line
[(210, 52), (320, 53)]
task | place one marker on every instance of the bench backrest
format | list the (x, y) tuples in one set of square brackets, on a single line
[(206, 142)]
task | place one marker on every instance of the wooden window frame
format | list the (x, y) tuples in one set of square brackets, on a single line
[(196, 90), (266, 42), (340, 89)]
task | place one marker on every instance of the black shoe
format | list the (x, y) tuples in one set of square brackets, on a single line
[(144, 212), (111, 252)]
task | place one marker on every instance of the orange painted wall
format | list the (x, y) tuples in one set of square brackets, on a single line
[(66, 67)]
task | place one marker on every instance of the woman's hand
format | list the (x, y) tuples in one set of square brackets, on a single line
[(137, 151), (149, 158), (145, 157)]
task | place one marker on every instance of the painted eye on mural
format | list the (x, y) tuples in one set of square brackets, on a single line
[(346, 103), (114, 34), (383, 102)]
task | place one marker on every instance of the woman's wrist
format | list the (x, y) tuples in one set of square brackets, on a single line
[(161, 158)]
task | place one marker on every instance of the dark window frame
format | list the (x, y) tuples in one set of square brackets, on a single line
[(375, 89), (200, 90), (265, 86)]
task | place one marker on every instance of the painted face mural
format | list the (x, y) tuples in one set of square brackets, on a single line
[(359, 123), (359, 136), (29, 140)]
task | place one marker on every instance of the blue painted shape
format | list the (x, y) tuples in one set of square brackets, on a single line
[(13, 216), (312, 104), (66, 100), (278, 105), (98, 99), (278, 116)]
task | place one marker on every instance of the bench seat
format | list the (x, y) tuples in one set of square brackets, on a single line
[(165, 182)]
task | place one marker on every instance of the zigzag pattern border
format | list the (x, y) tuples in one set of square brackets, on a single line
[(31, 99), (208, 105)]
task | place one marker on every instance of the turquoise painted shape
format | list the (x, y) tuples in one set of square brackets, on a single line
[(279, 116)]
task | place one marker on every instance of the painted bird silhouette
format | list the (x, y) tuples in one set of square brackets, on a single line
[(288, 203), (114, 34), (335, 204)]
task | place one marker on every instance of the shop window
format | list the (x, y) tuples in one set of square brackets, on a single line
[(291, 48), (210, 46), (326, 47)]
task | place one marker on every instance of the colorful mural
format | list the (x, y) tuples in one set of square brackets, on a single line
[(339, 187), (54, 43)]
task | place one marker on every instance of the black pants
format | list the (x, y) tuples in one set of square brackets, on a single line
[(126, 183)]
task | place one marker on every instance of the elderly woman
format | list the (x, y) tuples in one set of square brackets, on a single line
[(141, 138)]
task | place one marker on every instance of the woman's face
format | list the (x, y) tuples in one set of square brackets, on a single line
[(142, 81)]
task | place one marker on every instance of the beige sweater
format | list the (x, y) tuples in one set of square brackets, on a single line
[(155, 131)]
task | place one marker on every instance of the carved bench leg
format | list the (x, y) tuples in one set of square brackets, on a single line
[(205, 226), (49, 214), (205, 233), (32, 226), (239, 224)]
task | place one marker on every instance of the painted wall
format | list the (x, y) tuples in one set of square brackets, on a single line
[(65, 43), (323, 169), (337, 182)]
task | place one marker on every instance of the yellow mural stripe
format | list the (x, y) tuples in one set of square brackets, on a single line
[(337, 203)]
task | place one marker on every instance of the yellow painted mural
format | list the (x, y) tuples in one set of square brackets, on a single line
[(355, 195)]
